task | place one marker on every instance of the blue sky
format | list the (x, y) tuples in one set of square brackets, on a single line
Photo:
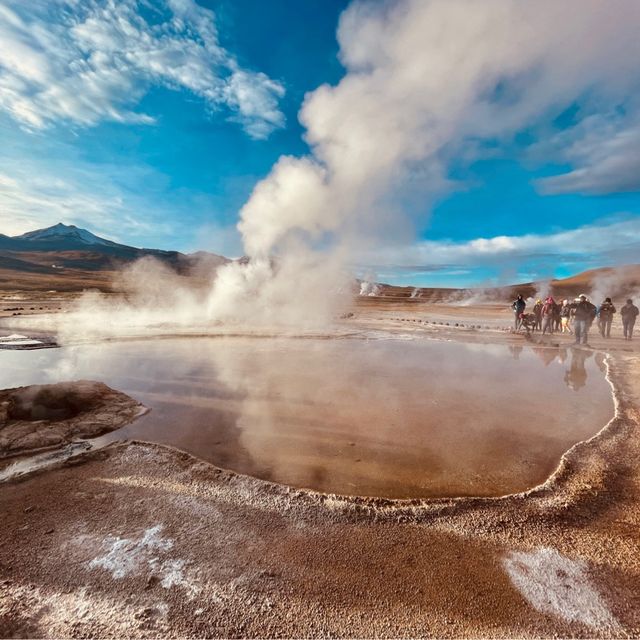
[(151, 122)]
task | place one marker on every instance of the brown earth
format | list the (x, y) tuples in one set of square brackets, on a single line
[(140, 540), (620, 281), (45, 416)]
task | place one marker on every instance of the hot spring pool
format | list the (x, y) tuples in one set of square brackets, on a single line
[(394, 418)]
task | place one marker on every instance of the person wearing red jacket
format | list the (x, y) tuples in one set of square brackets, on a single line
[(548, 315)]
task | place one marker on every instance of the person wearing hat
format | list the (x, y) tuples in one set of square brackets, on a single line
[(605, 317), (584, 315), (629, 313)]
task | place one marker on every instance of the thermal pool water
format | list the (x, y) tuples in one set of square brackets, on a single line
[(393, 418)]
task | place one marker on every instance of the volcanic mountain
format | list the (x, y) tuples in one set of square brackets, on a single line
[(65, 257)]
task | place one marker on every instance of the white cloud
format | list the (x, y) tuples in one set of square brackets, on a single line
[(619, 241), (84, 62), (33, 197), (605, 151)]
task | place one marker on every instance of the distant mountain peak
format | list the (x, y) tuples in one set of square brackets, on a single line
[(62, 230)]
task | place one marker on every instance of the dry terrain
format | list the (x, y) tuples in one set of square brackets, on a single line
[(141, 540)]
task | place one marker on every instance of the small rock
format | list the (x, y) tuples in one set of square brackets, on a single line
[(48, 531), (152, 582)]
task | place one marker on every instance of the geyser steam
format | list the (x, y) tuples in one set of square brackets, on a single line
[(425, 80)]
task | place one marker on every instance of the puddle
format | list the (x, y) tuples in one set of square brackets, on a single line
[(366, 417)]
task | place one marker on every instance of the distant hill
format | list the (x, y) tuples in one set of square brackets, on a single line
[(65, 257), (64, 235), (616, 282)]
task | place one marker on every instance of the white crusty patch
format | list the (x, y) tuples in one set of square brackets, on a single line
[(147, 554), (18, 340), (557, 585)]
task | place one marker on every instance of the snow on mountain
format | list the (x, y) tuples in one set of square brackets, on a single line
[(69, 231)]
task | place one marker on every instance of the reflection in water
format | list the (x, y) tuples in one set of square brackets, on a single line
[(381, 417), (546, 355), (600, 361), (515, 350), (576, 375)]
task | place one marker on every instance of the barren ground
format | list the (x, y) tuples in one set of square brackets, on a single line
[(140, 540)]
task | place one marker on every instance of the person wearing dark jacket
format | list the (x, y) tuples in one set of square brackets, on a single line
[(537, 312), (629, 313), (584, 315), (556, 316), (518, 306), (605, 317)]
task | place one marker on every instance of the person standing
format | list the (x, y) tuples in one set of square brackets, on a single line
[(548, 315), (565, 316), (605, 317), (584, 315), (518, 306), (556, 316), (537, 312), (629, 313)]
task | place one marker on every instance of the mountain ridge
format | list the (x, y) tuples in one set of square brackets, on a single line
[(63, 237), (70, 255)]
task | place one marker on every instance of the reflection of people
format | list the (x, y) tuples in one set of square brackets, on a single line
[(518, 307), (584, 314), (605, 317), (575, 376), (515, 351), (629, 313), (545, 354)]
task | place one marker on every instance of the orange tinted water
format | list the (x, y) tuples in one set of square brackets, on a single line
[(369, 417)]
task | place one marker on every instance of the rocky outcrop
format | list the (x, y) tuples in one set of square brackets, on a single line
[(46, 416)]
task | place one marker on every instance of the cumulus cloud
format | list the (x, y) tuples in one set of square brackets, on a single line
[(604, 241), (84, 62)]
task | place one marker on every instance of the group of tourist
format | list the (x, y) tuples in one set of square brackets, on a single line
[(573, 316)]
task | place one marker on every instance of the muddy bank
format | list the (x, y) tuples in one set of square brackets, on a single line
[(143, 540), (46, 416)]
